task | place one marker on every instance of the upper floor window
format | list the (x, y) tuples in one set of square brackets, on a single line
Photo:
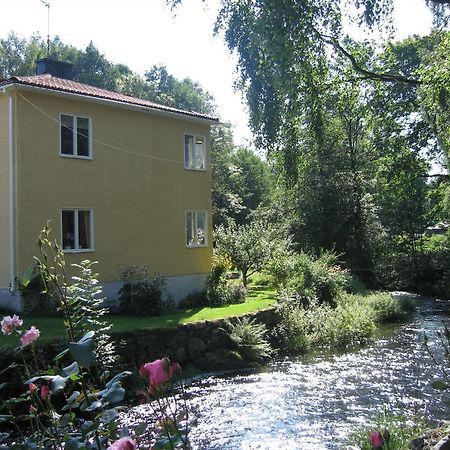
[(75, 136), (196, 229), (194, 152), (76, 229)]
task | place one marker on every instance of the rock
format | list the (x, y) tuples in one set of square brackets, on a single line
[(196, 347), (417, 444), (443, 444), (219, 339), (220, 359)]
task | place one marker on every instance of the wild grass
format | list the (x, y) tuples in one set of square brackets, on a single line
[(352, 321), (401, 430)]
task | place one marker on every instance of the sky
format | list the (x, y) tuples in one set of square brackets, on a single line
[(141, 33)]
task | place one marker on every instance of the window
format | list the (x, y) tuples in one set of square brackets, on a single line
[(196, 229), (76, 229), (194, 152), (75, 136)]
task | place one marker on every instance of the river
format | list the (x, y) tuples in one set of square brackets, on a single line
[(314, 402)]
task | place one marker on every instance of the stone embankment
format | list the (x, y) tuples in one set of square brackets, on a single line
[(206, 344)]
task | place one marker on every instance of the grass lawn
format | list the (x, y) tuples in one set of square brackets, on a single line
[(51, 327)]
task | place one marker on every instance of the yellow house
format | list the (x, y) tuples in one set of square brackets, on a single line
[(124, 182)]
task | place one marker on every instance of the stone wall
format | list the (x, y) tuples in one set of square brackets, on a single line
[(203, 344)]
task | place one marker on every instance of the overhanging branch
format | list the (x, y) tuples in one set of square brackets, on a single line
[(368, 74)]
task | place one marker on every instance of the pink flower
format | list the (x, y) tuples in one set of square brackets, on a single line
[(9, 324), (125, 443), (32, 387), (376, 440), (45, 392), (159, 372), (29, 336)]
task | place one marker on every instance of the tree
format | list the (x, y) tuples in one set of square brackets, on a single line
[(248, 246), (162, 87)]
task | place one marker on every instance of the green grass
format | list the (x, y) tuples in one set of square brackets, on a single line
[(52, 327)]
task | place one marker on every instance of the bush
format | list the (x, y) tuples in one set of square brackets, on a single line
[(195, 299), (141, 294), (250, 339), (304, 325), (291, 333), (221, 291), (385, 308), (35, 298), (349, 323), (306, 275)]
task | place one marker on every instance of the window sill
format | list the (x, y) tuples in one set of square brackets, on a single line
[(197, 246), (78, 250), (75, 156), (195, 170)]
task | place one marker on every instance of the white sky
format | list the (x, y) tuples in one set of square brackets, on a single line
[(140, 33)]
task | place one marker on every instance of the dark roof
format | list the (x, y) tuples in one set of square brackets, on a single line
[(60, 84)]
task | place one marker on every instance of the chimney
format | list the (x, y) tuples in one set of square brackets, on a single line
[(55, 68)]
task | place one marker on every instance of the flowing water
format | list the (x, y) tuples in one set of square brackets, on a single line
[(314, 402)]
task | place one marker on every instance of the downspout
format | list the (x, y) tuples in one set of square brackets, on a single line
[(12, 192)]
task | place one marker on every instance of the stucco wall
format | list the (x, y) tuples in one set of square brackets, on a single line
[(138, 201), (4, 193)]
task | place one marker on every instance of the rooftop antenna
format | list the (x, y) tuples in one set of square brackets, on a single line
[(47, 5)]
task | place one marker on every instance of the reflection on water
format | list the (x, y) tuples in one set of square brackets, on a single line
[(314, 402)]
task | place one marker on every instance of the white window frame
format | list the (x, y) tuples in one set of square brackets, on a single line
[(196, 212), (75, 137), (194, 136), (77, 248)]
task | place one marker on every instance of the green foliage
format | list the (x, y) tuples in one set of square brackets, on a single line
[(141, 294), (88, 311), (248, 246), (304, 323), (250, 339), (292, 333), (34, 296), (162, 87), (306, 276), (402, 430), (220, 291), (385, 308), (241, 179), (350, 322)]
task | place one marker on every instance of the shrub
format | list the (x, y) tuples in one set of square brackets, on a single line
[(401, 430), (219, 290), (250, 339), (349, 323), (306, 275), (291, 333), (35, 298), (141, 294), (195, 299), (385, 308), (304, 324)]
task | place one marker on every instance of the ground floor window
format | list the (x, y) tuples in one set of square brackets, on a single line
[(76, 229), (196, 229)]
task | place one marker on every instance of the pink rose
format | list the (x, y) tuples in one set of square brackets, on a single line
[(29, 336), (125, 443), (376, 440), (159, 371), (9, 324), (45, 392)]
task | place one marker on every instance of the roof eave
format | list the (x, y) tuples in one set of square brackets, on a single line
[(130, 106)]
